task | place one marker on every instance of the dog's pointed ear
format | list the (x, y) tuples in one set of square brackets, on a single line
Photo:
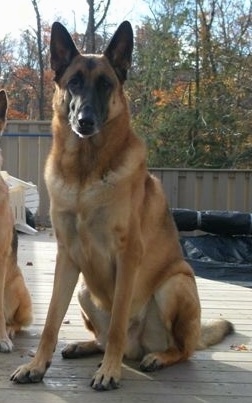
[(3, 105), (119, 50), (62, 49)]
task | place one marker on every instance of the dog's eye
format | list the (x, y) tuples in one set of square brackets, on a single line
[(105, 83), (74, 83)]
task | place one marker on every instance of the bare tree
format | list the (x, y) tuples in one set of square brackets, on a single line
[(41, 62), (207, 19), (100, 11)]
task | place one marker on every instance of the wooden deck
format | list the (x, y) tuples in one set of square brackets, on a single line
[(221, 374)]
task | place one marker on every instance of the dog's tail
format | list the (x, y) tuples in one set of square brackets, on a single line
[(213, 332)]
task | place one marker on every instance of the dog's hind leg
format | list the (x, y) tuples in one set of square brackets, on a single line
[(179, 309), (18, 307), (5, 342), (97, 321)]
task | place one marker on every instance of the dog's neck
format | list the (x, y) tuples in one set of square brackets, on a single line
[(80, 156)]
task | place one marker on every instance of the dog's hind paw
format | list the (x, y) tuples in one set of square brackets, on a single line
[(81, 349), (6, 345), (151, 362)]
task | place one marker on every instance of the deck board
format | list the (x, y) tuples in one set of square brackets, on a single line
[(219, 374)]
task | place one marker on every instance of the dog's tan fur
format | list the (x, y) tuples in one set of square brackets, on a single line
[(15, 301), (138, 294)]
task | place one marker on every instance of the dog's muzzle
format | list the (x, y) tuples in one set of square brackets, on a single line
[(85, 125)]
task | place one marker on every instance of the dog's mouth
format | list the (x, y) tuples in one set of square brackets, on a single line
[(84, 132)]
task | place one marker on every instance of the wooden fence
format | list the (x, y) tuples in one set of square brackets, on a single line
[(26, 144)]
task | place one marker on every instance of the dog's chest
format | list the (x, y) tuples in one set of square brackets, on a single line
[(94, 244), (95, 214), (77, 197), (90, 216), (92, 210)]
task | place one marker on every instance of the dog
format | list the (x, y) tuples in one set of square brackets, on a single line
[(15, 300), (113, 227)]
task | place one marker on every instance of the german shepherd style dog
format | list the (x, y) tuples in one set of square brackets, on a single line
[(15, 301), (113, 227)]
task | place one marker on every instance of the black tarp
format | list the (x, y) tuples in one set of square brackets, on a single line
[(213, 221), (225, 252), (223, 258)]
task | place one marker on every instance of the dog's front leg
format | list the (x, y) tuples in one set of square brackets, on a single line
[(65, 279), (108, 375)]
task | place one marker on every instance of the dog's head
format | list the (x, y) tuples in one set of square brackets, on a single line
[(89, 87), (3, 110)]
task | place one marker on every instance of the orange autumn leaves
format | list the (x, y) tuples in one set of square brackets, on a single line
[(179, 94)]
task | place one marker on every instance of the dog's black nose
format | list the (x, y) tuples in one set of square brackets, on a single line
[(86, 120)]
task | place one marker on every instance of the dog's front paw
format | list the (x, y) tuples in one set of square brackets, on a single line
[(29, 373), (6, 345), (106, 379)]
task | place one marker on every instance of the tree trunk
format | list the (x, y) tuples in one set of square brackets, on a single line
[(93, 25), (90, 32), (41, 62)]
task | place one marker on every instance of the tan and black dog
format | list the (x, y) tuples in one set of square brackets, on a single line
[(113, 227), (15, 301)]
